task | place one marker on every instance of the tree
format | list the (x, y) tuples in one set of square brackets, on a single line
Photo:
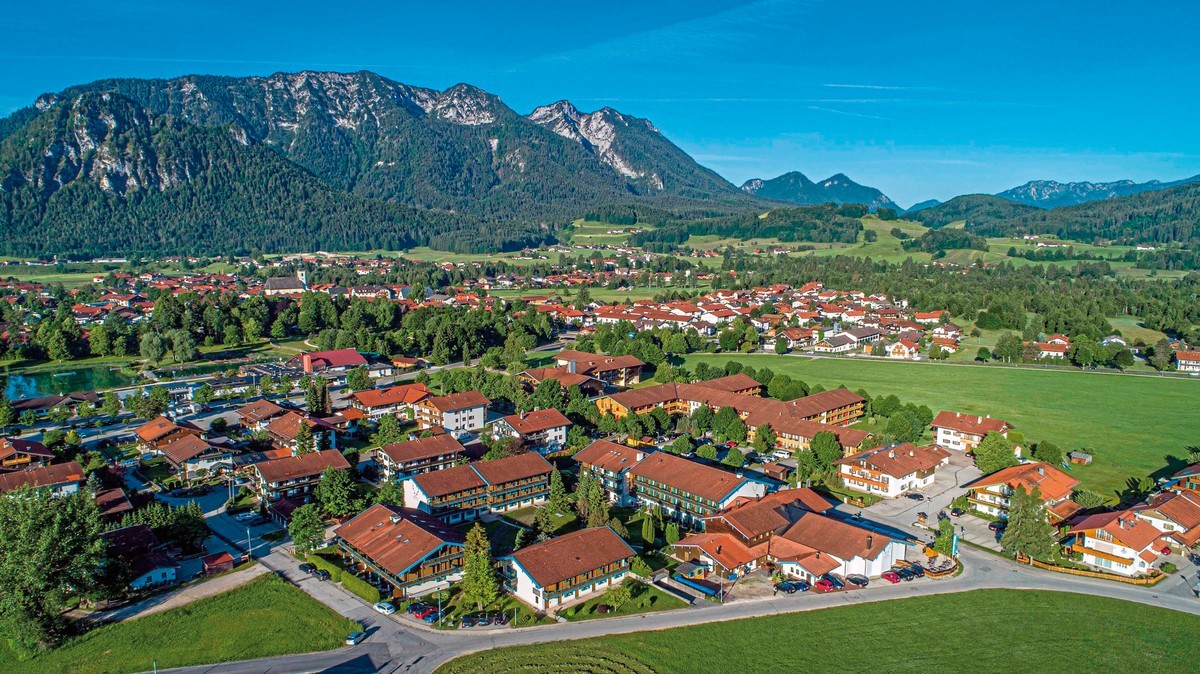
[(387, 431), (479, 586), (621, 594), (152, 346), (204, 394), (781, 346), (307, 529), (944, 543), (7, 414), (1088, 500), (648, 532), (335, 492), (50, 548), (1008, 347), (734, 458), (825, 449), (671, 534), (983, 355), (305, 444), (390, 493), (707, 452), (111, 405), (764, 439), (994, 453), (359, 379), (28, 418), (1028, 531), (1160, 354), (558, 492), (702, 418), (1048, 452)]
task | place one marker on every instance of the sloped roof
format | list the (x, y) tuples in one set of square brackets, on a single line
[(1053, 483), (971, 424), (305, 465), (609, 456), (899, 460), (396, 538), (691, 477), (422, 448), (46, 476), (578, 552), (537, 420)]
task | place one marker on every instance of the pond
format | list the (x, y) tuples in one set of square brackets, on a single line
[(36, 384)]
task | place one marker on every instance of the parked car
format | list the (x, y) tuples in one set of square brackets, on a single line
[(321, 575), (433, 617), (500, 618), (957, 512), (891, 577), (903, 572), (836, 580), (417, 607), (824, 585), (385, 608), (467, 621), (996, 526), (483, 619), (781, 454), (355, 638), (308, 568), (245, 516), (785, 587), (802, 585), (427, 611), (858, 580), (917, 570), (915, 495)]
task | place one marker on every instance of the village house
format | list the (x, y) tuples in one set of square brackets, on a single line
[(62, 479), (466, 411), (338, 361), (1186, 479), (544, 431), (1187, 361), (904, 349), (404, 552), (687, 491), (159, 432), (590, 386), (463, 493), (610, 463), (284, 431), (193, 457), (285, 285), (964, 432), (139, 551), (294, 477), (991, 494), (18, 454), (623, 371), (567, 568), (395, 400), (256, 415), (1176, 514), (791, 531), (401, 460), (1118, 542), (893, 470)]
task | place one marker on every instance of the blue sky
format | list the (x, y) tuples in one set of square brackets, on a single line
[(920, 99)]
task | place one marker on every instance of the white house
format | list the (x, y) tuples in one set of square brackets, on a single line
[(816, 544), (567, 568), (1187, 361), (544, 430), (464, 411), (964, 432), (1118, 542), (610, 463), (893, 470)]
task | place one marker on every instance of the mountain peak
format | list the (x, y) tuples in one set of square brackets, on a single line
[(1053, 194), (796, 187)]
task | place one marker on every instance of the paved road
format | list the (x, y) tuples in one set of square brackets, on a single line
[(184, 595)]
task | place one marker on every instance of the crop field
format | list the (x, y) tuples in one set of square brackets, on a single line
[(1131, 423), (980, 631)]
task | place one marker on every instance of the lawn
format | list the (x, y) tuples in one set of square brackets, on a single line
[(646, 599), (563, 522), (982, 631), (265, 617), (1130, 422), (525, 615)]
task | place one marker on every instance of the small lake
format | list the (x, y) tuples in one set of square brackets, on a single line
[(38, 384)]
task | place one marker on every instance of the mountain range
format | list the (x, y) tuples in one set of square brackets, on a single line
[(1052, 194), (797, 188), (146, 160)]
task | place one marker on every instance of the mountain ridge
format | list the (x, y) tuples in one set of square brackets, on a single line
[(796, 187), (1053, 194)]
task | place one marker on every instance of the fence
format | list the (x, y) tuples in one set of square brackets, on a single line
[(1150, 580)]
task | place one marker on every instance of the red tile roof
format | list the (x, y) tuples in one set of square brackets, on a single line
[(395, 395), (1053, 483), (1123, 526), (573, 554), (971, 424), (305, 465), (46, 476), (899, 460), (396, 539), (690, 477), (513, 468), (259, 410), (537, 420), (448, 481), (609, 456), (836, 537), (457, 401), (422, 448)]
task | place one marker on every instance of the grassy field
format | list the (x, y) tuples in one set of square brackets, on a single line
[(646, 599), (1130, 423), (982, 631), (263, 618)]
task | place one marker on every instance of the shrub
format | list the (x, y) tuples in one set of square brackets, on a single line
[(326, 564), (639, 567), (368, 592), (1168, 567)]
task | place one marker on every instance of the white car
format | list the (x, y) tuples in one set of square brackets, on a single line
[(385, 608), (781, 454), (244, 517)]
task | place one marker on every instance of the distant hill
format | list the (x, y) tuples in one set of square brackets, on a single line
[(164, 159), (971, 208), (1052, 194), (838, 189), (928, 203), (1162, 216)]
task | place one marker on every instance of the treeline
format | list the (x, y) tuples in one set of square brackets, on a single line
[(826, 223), (936, 240)]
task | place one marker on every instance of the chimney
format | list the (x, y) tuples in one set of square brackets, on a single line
[(980, 420), (912, 452), (891, 453), (718, 549), (571, 367), (870, 541)]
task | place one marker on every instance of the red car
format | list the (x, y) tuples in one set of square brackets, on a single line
[(891, 577), (823, 585), (420, 615)]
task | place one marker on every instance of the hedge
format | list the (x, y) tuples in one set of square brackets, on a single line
[(335, 571), (362, 588)]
